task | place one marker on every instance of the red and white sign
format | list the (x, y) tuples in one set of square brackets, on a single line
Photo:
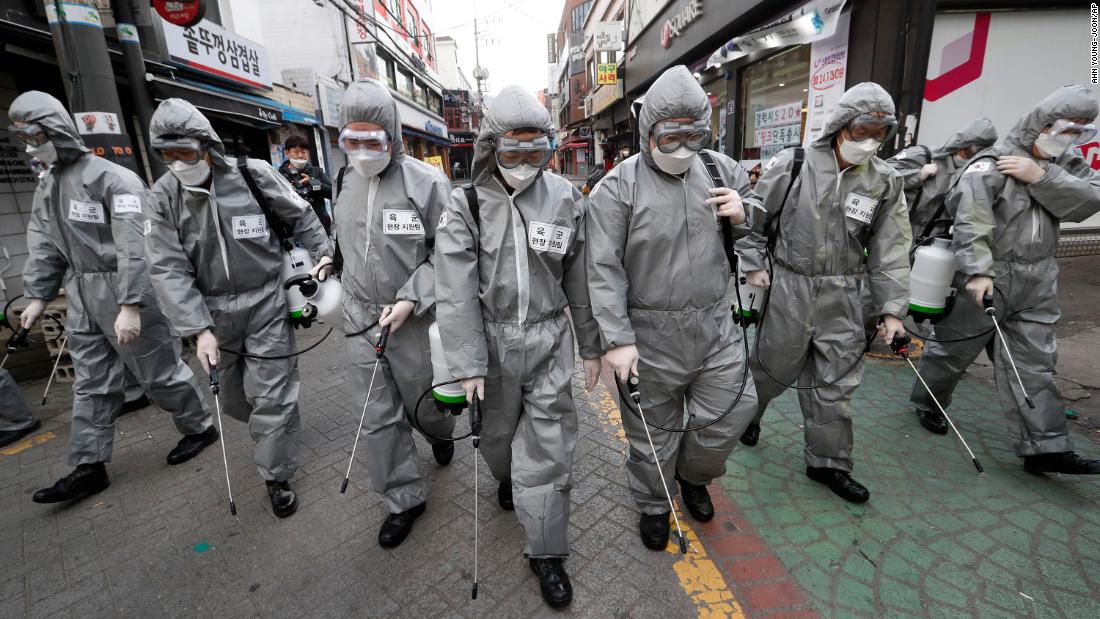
[(212, 49), (828, 69), (182, 13)]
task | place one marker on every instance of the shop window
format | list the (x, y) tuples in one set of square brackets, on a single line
[(405, 83), (716, 94), (580, 13), (773, 103), (390, 69)]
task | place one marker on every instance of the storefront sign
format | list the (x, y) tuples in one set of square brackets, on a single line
[(777, 136), (811, 22), (828, 66), (576, 53), (608, 36), (419, 119), (212, 49), (779, 115), (431, 127), (436, 160), (183, 13), (551, 48), (606, 73), (675, 25)]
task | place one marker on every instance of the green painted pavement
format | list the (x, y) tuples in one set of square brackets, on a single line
[(936, 539)]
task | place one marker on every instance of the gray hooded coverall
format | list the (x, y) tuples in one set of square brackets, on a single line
[(216, 266), (658, 276), (502, 288), (1008, 230), (87, 230), (386, 227), (812, 329)]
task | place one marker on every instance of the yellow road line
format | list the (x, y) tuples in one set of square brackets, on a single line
[(27, 443), (699, 576)]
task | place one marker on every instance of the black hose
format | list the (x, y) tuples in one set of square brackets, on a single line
[(278, 357), (979, 335), (7, 317), (416, 416)]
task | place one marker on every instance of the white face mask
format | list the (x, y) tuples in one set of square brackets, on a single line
[(521, 176), (959, 160), (368, 165), (856, 153), (46, 153), (299, 163), (1050, 146), (190, 174), (677, 162)]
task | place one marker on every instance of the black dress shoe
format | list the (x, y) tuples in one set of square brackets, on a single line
[(933, 421), (134, 405), (84, 481), (1066, 462), (396, 527), (443, 453), (7, 437), (554, 583), (751, 434), (840, 482), (504, 497), (191, 444), (654, 530), (697, 500), (283, 500)]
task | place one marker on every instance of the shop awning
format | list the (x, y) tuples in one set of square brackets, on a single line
[(574, 144), (431, 137), (252, 110)]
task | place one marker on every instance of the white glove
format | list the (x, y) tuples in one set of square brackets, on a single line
[(927, 170), (32, 313), (623, 361), (128, 324), (395, 315), (760, 278), (206, 347), (729, 204), (322, 269), (890, 327), (472, 386)]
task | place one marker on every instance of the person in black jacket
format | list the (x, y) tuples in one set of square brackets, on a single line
[(308, 180)]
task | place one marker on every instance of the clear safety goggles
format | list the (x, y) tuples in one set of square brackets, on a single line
[(369, 143), (671, 135), (869, 126), (512, 153), (171, 150), (1080, 133), (30, 134)]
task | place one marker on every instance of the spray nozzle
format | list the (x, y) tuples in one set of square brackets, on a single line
[(900, 344), (383, 337), (632, 384), (215, 387), (475, 420), (19, 340), (987, 303)]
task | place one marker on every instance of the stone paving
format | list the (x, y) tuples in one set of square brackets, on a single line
[(936, 539)]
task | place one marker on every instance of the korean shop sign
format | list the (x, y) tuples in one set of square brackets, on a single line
[(605, 73), (675, 25), (209, 48)]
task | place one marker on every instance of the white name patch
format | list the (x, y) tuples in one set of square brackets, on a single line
[(548, 237), (126, 203), (148, 227), (442, 221), (86, 212), (400, 221), (249, 227), (859, 208), (978, 166)]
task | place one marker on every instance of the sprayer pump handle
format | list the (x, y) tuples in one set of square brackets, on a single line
[(987, 300)]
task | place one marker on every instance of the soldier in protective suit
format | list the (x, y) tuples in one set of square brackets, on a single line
[(843, 226), (928, 174), (658, 275), (1008, 204), (216, 268), (16, 420), (385, 215), (509, 261), (87, 231)]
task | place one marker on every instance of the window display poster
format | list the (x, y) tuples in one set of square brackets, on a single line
[(828, 66)]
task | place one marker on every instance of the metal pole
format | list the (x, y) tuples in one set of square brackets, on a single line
[(77, 31), (126, 26)]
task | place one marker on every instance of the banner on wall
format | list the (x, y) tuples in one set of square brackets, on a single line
[(810, 22), (828, 66)]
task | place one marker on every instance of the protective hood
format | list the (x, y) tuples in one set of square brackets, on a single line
[(513, 108), (1066, 102), (675, 94), (980, 134), (862, 98), (178, 117), (38, 107), (370, 101)]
